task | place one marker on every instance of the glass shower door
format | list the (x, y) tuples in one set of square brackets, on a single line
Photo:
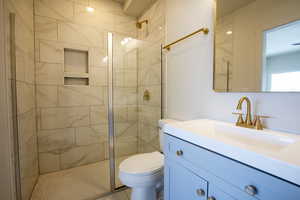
[(125, 99), (136, 75)]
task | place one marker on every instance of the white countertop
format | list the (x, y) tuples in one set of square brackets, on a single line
[(277, 153)]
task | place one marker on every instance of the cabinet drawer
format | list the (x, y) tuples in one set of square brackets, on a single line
[(215, 193), (184, 184), (262, 185)]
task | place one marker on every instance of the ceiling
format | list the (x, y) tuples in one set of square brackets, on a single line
[(225, 7), (280, 40), (135, 7)]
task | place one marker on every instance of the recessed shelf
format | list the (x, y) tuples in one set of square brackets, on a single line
[(76, 75), (76, 81), (76, 67), (76, 61)]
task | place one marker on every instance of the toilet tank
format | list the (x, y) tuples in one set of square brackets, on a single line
[(161, 124)]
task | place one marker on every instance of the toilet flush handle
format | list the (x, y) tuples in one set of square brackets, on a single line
[(179, 152), (200, 192)]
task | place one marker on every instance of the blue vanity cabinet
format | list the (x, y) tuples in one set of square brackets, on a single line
[(215, 193), (190, 168), (184, 184)]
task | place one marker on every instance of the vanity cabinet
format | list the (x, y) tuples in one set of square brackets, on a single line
[(186, 185), (193, 172)]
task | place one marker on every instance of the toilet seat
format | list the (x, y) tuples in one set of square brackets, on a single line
[(143, 164)]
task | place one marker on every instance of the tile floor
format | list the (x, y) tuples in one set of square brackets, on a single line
[(80, 183), (124, 195)]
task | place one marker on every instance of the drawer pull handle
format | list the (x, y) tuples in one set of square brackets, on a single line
[(179, 153), (251, 190), (211, 198), (200, 192)]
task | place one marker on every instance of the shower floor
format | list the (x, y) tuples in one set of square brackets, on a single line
[(80, 183), (124, 195)]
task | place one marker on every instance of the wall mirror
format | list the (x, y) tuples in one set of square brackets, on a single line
[(257, 46)]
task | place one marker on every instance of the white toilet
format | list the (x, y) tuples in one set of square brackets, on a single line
[(143, 173)]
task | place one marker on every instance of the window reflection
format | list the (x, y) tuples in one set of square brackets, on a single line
[(282, 58)]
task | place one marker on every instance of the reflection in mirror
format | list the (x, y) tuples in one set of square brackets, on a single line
[(282, 58), (257, 46)]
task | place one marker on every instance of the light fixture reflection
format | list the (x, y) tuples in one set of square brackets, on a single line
[(125, 41), (105, 59), (229, 32), (90, 9)]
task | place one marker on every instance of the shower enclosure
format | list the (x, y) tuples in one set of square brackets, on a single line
[(86, 94)]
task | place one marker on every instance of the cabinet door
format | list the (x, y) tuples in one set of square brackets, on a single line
[(214, 193), (184, 184)]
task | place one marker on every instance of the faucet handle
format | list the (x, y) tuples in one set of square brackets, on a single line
[(238, 113), (263, 116), (240, 119), (257, 121)]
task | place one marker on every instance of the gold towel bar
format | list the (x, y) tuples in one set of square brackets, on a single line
[(204, 30)]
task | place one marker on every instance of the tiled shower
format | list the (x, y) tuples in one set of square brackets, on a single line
[(61, 60)]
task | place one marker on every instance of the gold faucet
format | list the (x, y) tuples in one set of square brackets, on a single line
[(248, 123)]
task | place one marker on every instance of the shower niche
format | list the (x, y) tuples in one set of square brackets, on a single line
[(76, 66)]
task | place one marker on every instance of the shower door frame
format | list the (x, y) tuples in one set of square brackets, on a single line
[(111, 135), (7, 172), (110, 109)]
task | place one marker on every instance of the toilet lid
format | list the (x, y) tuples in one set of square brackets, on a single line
[(143, 164)]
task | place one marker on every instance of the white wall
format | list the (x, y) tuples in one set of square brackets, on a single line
[(190, 72)]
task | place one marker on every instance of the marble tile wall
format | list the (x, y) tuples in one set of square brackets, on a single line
[(66, 126), (150, 76), (72, 120), (25, 85)]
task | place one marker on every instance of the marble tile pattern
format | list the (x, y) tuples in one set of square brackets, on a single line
[(62, 127), (25, 99), (150, 77), (72, 120)]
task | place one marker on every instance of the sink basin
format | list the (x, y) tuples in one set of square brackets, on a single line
[(264, 140), (271, 151)]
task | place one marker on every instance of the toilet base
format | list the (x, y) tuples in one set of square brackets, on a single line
[(148, 193)]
